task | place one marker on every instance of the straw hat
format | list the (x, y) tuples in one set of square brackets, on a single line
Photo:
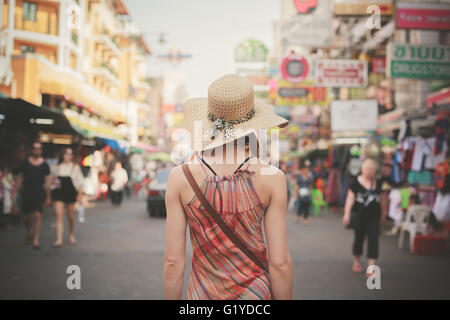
[(229, 112)]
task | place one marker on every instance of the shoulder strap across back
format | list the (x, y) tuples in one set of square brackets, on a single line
[(213, 213)]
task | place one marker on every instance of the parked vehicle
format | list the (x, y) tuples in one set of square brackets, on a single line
[(156, 206)]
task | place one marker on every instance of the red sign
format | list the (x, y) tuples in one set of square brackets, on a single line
[(303, 6), (294, 68), (379, 65), (423, 16), (341, 73)]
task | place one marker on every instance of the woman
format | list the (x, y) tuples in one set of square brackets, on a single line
[(303, 192), (68, 179), (238, 191), (363, 198)]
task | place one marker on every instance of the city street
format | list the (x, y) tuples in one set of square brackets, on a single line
[(120, 253)]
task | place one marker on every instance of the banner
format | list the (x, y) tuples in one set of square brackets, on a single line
[(341, 73), (354, 115), (303, 93), (419, 62), (435, 16)]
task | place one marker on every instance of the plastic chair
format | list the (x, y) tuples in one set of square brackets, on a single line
[(420, 214), (318, 202)]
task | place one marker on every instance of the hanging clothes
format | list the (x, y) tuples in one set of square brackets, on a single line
[(422, 148), (405, 194), (422, 177), (396, 170), (395, 206), (440, 173), (434, 159), (441, 132)]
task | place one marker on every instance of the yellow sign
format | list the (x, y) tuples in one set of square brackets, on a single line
[(359, 7)]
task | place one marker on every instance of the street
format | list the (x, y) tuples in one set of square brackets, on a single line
[(120, 253)]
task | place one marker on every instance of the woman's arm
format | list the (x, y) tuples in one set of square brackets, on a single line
[(349, 201), (280, 264), (175, 257)]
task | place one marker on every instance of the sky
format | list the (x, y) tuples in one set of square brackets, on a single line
[(207, 29)]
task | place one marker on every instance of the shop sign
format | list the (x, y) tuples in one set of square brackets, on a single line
[(379, 65), (250, 51), (306, 23), (359, 7), (304, 93), (419, 62), (305, 6), (354, 115), (341, 73), (294, 68), (435, 16)]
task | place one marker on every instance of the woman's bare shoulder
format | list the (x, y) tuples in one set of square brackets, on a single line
[(267, 170)]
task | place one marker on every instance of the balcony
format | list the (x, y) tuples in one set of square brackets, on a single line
[(107, 43), (43, 24), (106, 72)]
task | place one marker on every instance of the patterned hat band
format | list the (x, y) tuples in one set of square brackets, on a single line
[(219, 123)]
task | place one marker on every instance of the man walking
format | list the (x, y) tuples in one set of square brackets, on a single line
[(34, 173), (119, 179)]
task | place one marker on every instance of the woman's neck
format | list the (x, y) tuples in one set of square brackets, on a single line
[(237, 155)]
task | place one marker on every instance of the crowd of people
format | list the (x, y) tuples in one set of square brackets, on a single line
[(363, 210), (35, 185)]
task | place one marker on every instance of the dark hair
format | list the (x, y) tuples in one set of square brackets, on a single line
[(61, 155), (302, 164)]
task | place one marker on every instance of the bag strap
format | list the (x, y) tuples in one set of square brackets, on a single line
[(213, 213)]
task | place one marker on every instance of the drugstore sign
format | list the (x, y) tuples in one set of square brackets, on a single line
[(419, 62)]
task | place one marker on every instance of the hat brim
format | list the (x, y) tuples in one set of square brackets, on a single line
[(196, 122)]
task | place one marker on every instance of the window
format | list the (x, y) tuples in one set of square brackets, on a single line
[(29, 11), (26, 48)]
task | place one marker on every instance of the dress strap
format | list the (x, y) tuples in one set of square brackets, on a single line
[(201, 164), (249, 157), (209, 167)]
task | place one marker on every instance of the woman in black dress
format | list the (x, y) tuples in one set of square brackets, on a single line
[(68, 179), (363, 198)]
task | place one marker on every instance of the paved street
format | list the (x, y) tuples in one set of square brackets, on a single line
[(120, 253)]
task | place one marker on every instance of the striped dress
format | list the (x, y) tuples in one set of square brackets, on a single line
[(219, 269)]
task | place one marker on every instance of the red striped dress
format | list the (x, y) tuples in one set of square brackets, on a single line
[(219, 269)]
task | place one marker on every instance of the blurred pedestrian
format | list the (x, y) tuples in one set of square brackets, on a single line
[(34, 176), (303, 191), (363, 202), (230, 259), (68, 180), (119, 179)]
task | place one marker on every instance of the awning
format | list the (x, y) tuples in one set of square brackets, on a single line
[(19, 113), (119, 145)]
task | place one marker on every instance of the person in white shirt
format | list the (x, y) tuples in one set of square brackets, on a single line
[(68, 181), (119, 178)]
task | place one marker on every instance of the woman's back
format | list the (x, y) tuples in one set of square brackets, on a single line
[(219, 269)]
